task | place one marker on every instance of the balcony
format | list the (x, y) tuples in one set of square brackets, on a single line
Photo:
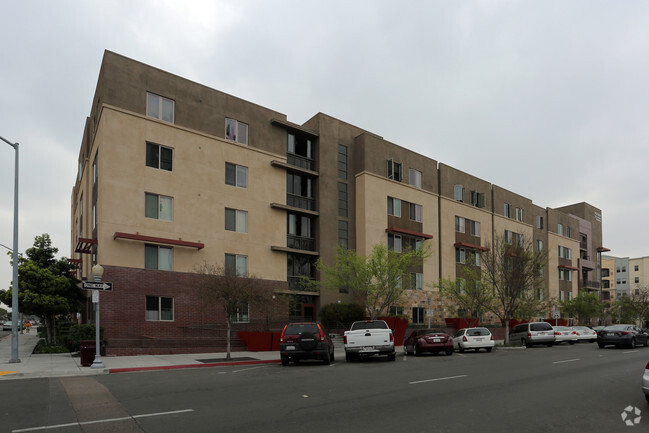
[(590, 285), (303, 285), (300, 243), (300, 161), (301, 202)]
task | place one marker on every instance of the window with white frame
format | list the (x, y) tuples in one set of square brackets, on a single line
[(160, 107), (159, 308), (519, 214), (458, 192), (568, 232), (236, 220), (418, 314), (475, 228), (539, 222), (159, 157), (236, 175), (236, 265), (396, 311), (478, 199), (460, 255), (242, 313), (507, 210), (460, 224), (158, 257), (461, 285), (394, 170), (236, 131), (394, 242), (158, 206), (415, 178), (509, 237), (560, 229), (539, 245), (416, 281), (415, 212), (394, 207)]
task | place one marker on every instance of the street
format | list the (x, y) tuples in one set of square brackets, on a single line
[(578, 388)]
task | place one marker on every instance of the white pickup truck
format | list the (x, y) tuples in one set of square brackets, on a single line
[(367, 338)]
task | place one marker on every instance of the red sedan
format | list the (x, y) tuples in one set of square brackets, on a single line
[(428, 341)]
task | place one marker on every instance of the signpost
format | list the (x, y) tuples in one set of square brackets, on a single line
[(90, 285)]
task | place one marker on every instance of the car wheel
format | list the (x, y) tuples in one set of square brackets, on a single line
[(646, 397), (477, 350), (392, 357), (571, 343), (332, 358), (417, 352), (632, 345), (449, 352), (285, 360), (549, 344), (489, 349), (460, 348), (326, 359), (348, 357), (601, 345), (526, 343)]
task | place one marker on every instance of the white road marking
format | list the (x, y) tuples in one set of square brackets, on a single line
[(438, 379), (630, 351), (567, 360), (47, 427), (246, 369)]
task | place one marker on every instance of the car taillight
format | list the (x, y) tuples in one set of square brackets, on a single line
[(647, 366), (322, 337), (391, 337), (529, 334), (492, 337), (281, 338), (574, 333), (557, 333), (464, 338), (345, 339)]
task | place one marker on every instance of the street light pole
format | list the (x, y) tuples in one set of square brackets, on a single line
[(97, 272), (14, 292)]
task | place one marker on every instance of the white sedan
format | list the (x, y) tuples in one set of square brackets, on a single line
[(645, 382), (564, 334), (473, 338), (584, 333)]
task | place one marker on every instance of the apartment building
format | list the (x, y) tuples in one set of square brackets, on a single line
[(173, 174), (628, 275)]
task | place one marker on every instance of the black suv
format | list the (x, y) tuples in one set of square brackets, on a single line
[(305, 341)]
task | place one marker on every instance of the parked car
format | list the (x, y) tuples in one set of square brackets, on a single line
[(584, 333), (529, 334), (622, 335), (6, 326), (645, 382), (564, 334), (428, 341), (369, 338), (473, 338), (305, 341)]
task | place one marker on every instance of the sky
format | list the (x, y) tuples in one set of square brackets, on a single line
[(548, 99)]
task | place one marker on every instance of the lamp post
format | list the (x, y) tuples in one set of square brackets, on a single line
[(97, 272), (14, 291)]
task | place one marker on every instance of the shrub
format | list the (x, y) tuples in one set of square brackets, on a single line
[(43, 347), (81, 332), (341, 316)]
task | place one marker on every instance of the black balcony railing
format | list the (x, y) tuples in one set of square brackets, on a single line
[(299, 284), (301, 202), (590, 284), (300, 161), (300, 243)]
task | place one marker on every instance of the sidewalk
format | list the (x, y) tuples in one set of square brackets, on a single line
[(64, 364)]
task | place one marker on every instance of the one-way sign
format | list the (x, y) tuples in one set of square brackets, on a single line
[(91, 285)]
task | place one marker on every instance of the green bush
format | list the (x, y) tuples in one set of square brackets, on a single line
[(341, 316), (81, 332), (43, 347)]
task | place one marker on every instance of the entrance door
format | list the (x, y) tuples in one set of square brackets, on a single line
[(308, 312)]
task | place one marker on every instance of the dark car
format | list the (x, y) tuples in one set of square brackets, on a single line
[(622, 335), (305, 341), (428, 341)]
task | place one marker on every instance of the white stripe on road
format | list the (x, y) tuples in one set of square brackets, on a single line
[(630, 351), (567, 360), (47, 427), (439, 378)]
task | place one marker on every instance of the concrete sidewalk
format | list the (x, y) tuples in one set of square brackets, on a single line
[(64, 364)]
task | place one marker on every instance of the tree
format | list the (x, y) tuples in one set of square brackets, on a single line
[(583, 307), (512, 273), (233, 292), (634, 308), (466, 294), (377, 281), (47, 286)]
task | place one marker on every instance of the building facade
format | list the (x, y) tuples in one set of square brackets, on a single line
[(173, 174)]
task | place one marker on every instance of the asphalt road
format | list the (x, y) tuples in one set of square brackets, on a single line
[(577, 388)]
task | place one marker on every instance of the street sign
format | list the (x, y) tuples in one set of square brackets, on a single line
[(556, 314), (91, 285)]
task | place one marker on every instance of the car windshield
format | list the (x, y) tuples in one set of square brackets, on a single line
[(541, 327), (477, 332), (429, 331), (299, 328), (376, 324), (617, 328)]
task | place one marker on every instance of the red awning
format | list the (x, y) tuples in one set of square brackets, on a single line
[(470, 246), (409, 232), (602, 250), (84, 245), (568, 267), (157, 240)]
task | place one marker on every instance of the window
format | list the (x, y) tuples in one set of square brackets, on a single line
[(560, 251), (298, 145), (236, 131), (458, 192), (519, 214), (415, 178), (242, 313), (236, 175), (158, 207), (394, 207), (342, 161), (236, 220), (539, 222), (94, 170), (636, 280), (159, 308), (418, 315), (623, 268), (507, 210), (236, 265), (568, 253), (477, 199), (394, 170), (158, 257), (476, 259), (158, 156), (342, 199), (396, 311), (416, 281), (460, 255), (539, 245), (509, 237), (160, 107), (299, 225), (460, 283), (636, 268), (343, 233), (460, 224), (475, 228), (94, 216), (568, 231), (394, 242), (415, 212), (560, 229)]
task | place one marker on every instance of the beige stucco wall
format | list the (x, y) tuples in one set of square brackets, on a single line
[(197, 184)]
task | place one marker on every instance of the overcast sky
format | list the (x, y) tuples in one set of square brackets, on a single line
[(545, 98)]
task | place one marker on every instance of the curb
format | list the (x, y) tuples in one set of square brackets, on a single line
[(187, 366)]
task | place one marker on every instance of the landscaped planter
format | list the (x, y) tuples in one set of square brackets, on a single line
[(260, 341), (460, 323)]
